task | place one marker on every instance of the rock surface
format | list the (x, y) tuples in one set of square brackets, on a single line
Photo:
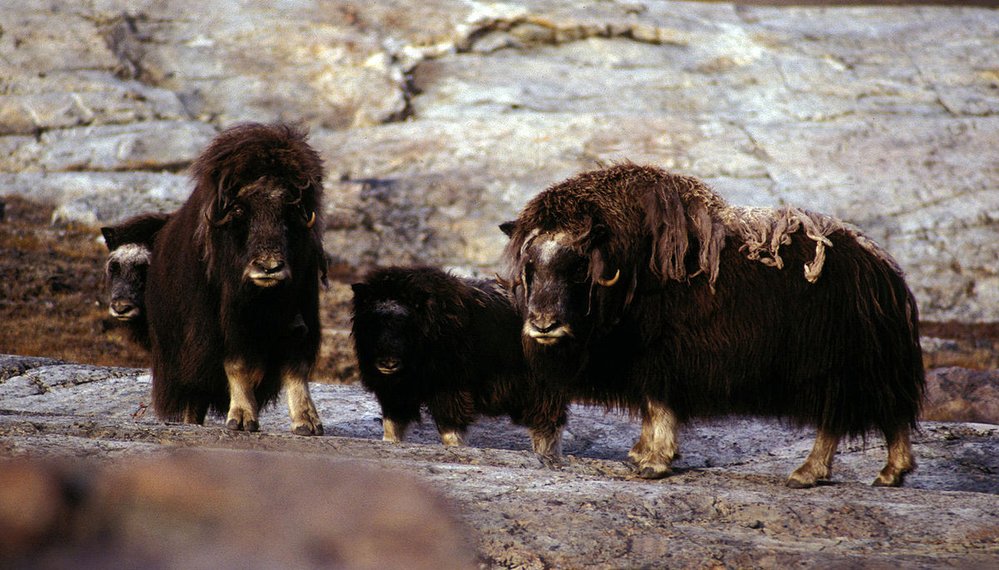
[(438, 120), (726, 505)]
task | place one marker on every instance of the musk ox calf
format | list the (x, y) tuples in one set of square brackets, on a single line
[(130, 248), (426, 337), (644, 290), (233, 290)]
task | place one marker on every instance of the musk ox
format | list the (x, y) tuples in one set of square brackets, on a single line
[(426, 337), (644, 290), (233, 290), (130, 248)]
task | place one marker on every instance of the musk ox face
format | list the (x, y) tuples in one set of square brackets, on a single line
[(559, 286), (385, 331), (258, 228), (125, 272)]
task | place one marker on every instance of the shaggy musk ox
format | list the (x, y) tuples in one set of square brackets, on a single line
[(233, 291), (426, 337), (130, 248), (644, 290)]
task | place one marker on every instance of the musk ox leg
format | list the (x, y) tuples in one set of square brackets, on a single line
[(194, 414), (547, 444), (243, 378), (657, 446), (818, 465), (452, 437), (394, 431), (900, 460), (304, 417)]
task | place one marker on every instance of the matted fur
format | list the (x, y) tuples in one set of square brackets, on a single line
[(721, 310), (457, 343), (130, 247), (201, 309)]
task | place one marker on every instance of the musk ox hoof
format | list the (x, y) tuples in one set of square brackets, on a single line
[(793, 483), (246, 425), (308, 429), (551, 461), (884, 480), (650, 472)]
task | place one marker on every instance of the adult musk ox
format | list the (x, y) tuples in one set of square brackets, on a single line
[(426, 337), (644, 290), (233, 290), (130, 248)]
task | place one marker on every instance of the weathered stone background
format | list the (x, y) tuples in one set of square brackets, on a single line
[(440, 119)]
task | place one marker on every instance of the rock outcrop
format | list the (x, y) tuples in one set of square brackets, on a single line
[(438, 120)]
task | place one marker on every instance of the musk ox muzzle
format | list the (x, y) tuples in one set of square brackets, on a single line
[(545, 328), (267, 271), (388, 365)]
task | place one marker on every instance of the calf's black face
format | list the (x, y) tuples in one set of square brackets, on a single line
[(384, 335), (126, 277)]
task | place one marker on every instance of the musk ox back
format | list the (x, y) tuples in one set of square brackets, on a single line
[(644, 290), (426, 337), (130, 249), (233, 290)]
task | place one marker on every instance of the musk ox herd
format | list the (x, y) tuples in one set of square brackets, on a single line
[(627, 287)]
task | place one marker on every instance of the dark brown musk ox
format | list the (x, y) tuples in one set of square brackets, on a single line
[(130, 249), (233, 288), (644, 290), (425, 337)]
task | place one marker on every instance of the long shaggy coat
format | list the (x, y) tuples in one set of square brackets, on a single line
[(233, 292), (424, 337), (677, 305)]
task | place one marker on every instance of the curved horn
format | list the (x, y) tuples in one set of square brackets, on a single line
[(609, 282), (312, 220)]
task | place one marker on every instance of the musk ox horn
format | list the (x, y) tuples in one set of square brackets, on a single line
[(312, 220), (609, 282)]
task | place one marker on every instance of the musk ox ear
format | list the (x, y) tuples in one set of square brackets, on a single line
[(358, 288), (508, 227), (110, 238)]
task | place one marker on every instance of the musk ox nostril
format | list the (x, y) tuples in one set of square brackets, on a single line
[(272, 266)]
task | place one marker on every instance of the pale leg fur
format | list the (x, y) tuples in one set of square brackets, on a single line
[(547, 446), (191, 415), (818, 465), (452, 438), (657, 446), (243, 379), (900, 461), (304, 417), (393, 431)]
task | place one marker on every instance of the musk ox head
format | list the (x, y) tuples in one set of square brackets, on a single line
[(130, 250), (403, 315), (260, 190), (580, 250)]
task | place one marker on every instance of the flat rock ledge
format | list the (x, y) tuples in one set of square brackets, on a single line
[(89, 476)]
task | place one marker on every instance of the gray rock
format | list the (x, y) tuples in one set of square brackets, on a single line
[(726, 503)]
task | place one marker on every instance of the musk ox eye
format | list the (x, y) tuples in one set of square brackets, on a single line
[(528, 273), (580, 271)]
